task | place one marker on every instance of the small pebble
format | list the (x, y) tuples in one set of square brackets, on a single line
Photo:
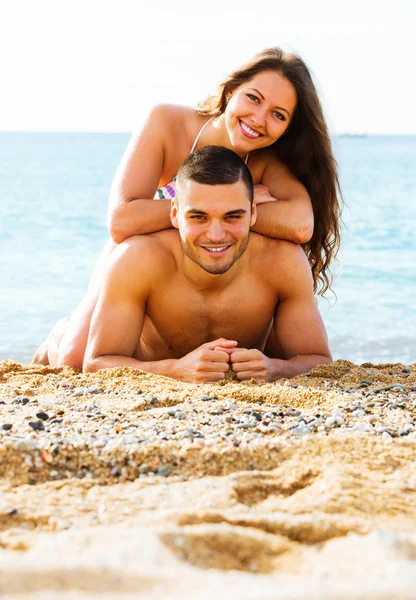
[(43, 416), (358, 413), (298, 431), (37, 425), (164, 471), (7, 426)]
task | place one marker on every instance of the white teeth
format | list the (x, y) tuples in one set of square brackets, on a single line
[(216, 249), (248, 130)]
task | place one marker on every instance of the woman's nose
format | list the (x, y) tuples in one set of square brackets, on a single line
[(258, 117)]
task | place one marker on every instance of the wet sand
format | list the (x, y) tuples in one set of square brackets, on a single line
[(127, 485)]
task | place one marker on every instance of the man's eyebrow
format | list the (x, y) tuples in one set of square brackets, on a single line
[(195, 211), (198, 211), (238, 211), (279, 107)]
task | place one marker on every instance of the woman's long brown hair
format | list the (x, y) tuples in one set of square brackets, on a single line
[(305, 148)]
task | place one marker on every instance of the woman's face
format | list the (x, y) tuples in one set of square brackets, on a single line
[(259, 111)]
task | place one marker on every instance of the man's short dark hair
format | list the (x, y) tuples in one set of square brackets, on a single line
[(216, 165)]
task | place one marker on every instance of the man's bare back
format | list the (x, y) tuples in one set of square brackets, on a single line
[(193, 305)]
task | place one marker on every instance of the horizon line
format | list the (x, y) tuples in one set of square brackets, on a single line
[(353, 134)]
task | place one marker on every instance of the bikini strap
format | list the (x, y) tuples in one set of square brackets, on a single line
[(199, 134)]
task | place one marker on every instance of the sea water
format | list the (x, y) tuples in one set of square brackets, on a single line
[(54, 190)]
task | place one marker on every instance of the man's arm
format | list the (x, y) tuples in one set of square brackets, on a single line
[(298, 337), (118, 318), (117, 321)]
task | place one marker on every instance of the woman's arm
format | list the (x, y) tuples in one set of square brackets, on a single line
[(284, 212), (132, 209)]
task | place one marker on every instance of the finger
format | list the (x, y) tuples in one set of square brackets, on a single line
[(208, 376), (215, 376), (220, 342), (222, 349), (246, 375), (251, 366), (206, 368), (242, 355), (209, 365), (218, 355)]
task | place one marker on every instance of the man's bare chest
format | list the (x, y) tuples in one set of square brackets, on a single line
[(180, 318)]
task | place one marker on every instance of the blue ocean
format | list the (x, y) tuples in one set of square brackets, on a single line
[(54, 190)]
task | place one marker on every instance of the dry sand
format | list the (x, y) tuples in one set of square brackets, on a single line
[(127, 485)]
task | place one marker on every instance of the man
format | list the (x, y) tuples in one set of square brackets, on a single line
[(213, 298)]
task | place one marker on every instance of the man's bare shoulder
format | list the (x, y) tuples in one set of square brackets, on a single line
[(278, 258), (147, 255)]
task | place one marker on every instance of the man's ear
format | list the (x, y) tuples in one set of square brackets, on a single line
[(253, 213), (174, 213)]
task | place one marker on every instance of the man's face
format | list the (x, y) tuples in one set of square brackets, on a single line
[(214, 223)]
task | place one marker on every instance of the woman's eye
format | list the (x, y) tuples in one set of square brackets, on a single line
[(253, 97), (279, 115)]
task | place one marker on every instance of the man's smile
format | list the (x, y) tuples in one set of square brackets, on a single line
[(217, 250)]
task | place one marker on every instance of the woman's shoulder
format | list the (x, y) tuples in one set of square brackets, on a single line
[(263, 159), (173, 115), (177, 125)]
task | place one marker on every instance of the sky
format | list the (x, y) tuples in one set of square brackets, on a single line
[(100, 65)]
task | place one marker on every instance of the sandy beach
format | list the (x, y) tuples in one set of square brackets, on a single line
[(127, 485)]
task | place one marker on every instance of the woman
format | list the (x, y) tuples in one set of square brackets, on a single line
[(269, 113)]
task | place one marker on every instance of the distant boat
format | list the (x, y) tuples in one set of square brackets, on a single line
[(353, 135)]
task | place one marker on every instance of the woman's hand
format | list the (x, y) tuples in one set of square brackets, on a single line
[(262, 194)]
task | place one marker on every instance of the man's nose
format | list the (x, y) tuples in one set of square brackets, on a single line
[(215, 232)]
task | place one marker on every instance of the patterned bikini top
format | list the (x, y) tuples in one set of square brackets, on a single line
[(167, 192)]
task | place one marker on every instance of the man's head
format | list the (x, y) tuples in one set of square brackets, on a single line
[(213, 208)]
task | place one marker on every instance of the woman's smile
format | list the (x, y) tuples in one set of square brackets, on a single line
[(248, 131)]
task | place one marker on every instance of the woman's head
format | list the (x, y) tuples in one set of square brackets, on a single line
[(288, 82), (259, 111), (298, 135)]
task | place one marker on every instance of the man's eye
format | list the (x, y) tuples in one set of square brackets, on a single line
[(197, 217), (234, 217)]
